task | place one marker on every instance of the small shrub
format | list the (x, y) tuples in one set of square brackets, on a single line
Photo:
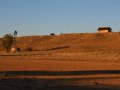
[(7, 42), (52, 34), (28, 49), (98, 34), (61, 33), (96, 83), (119, 32), (1, 44), (18, 49)]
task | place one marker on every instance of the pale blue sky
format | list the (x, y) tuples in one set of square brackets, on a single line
[(42, 17)]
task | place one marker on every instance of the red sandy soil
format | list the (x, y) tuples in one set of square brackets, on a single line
[(64, 53), (57, 65), (96, 81)]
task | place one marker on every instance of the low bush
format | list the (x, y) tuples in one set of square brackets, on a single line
[(52, 34), (28, 49), (7, 42)]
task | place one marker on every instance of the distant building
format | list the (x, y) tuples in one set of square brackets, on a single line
[(104, 29)]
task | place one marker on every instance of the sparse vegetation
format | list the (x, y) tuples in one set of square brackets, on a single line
[(92, 57), (83, 43), (52, 34), (18, 49), (1, 44), (7, 42), (28, 49)]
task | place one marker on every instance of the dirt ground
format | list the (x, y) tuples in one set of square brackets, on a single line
[(56, 73), (19, 63), (57, 84)]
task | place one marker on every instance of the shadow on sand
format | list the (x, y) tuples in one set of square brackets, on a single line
[(54, 84), (61, 73), (48, 84)]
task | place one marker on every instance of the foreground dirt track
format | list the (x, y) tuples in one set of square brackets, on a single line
[(16, 64), (56, 73)]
